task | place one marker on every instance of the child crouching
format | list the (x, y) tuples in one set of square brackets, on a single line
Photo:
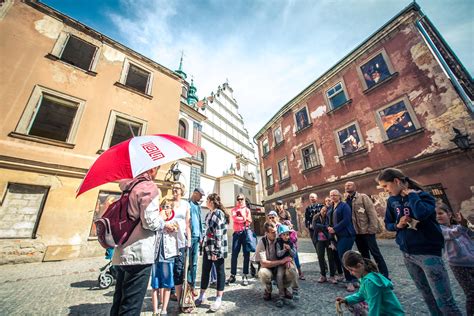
[(375, 289), (286, 248)]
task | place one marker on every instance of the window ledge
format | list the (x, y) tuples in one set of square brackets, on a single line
[(41, 140), (381, 83), (268, 187), (304, 128), (265, 155), (339, 107), (415, 132), (279, 144), (284, 181), (360, 152), (121, 85), (317, 167), (56, 58)]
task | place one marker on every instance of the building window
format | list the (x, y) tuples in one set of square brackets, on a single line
[(348, 139), (203, 160), (283, 170), (103, 202), (397, 119), (21, 210), (51, 115), (269, 177), (265, 146), (278, 136), (184, 92), (437, 190), (182, 129), (122, 127), (79, 53), (336, 96), (376, 70), (310, 159), (302, 120), (136, 77)]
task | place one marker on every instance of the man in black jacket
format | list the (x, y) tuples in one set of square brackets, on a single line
[(312, 210)]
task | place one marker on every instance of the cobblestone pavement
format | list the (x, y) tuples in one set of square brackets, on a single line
[(70, 287)]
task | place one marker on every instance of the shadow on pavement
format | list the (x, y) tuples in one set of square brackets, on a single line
[(90, 309), (91, 284)]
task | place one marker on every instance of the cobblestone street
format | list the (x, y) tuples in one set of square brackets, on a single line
[(70, 287)]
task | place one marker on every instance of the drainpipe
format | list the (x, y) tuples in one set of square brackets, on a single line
[(445, 66)]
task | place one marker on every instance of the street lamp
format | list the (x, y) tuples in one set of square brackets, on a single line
[(176, 172), (461, 140)]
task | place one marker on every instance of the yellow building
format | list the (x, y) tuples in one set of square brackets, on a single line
[(68, 92)]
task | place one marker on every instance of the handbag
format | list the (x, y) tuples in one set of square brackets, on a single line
[(250, 243)]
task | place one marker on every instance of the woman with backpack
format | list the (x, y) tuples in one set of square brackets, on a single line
[(134, 258), (411, 213), (215, 249)]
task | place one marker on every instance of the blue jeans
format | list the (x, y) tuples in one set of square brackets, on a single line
[(297, 261), (130, 289), (238, 239), (344, 244), (193, 259), (431, 278)]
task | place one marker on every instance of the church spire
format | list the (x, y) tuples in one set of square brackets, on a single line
[(192, 97), (180, 71)]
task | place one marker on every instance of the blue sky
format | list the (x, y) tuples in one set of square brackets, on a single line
[(269, 50)]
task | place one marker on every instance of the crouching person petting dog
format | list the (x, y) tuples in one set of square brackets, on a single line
[(266, 255)]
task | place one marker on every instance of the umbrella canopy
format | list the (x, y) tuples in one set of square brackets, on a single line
[(132, 157)]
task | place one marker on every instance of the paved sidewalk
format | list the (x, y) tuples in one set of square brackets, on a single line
[(70, 287)]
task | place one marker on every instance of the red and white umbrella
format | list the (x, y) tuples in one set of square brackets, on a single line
[(132, 157)]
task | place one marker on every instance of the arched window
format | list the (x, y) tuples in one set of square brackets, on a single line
[(203, 159), (182, 129)]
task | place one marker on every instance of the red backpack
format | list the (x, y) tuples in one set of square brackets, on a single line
[(115, 226)]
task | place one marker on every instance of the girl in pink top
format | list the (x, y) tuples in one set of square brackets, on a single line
[(242, 219)]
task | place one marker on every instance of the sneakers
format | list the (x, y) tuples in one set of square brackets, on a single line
[(216, 306), (322, 279), (332, 280), (288, 295), (296, 295), (231, 279), (340, 277), (279, 303), (350, 287), (245, 280), (267, 295)]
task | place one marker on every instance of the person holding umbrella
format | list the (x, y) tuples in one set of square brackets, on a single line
[(137, 160), (134, 258)]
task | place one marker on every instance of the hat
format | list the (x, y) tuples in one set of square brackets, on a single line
[(283, 229), (279, 202), (200, 190), (272, 213)]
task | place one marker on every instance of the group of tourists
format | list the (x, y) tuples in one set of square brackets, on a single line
[(172, 228)]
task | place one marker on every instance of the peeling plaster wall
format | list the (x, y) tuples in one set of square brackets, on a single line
[(436, 105)]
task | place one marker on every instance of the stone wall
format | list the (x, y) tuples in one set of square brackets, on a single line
[(21, 251)]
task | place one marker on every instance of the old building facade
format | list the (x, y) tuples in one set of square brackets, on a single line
[(391, 102), (69, 93)]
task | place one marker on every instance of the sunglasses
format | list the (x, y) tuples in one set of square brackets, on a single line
[(240, 199)]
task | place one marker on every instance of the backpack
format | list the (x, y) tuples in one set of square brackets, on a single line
[(115, 226)]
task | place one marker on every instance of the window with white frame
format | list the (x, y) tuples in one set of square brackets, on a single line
[(79, 53), (136, 77), (265, 146), (278, 136), (302, 119), (283, 169), (51, 115), (182, 129), (310, 159), (397, 119), (122, 127), (269, 177), (336, 96), (375, 70), (349, 139)]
